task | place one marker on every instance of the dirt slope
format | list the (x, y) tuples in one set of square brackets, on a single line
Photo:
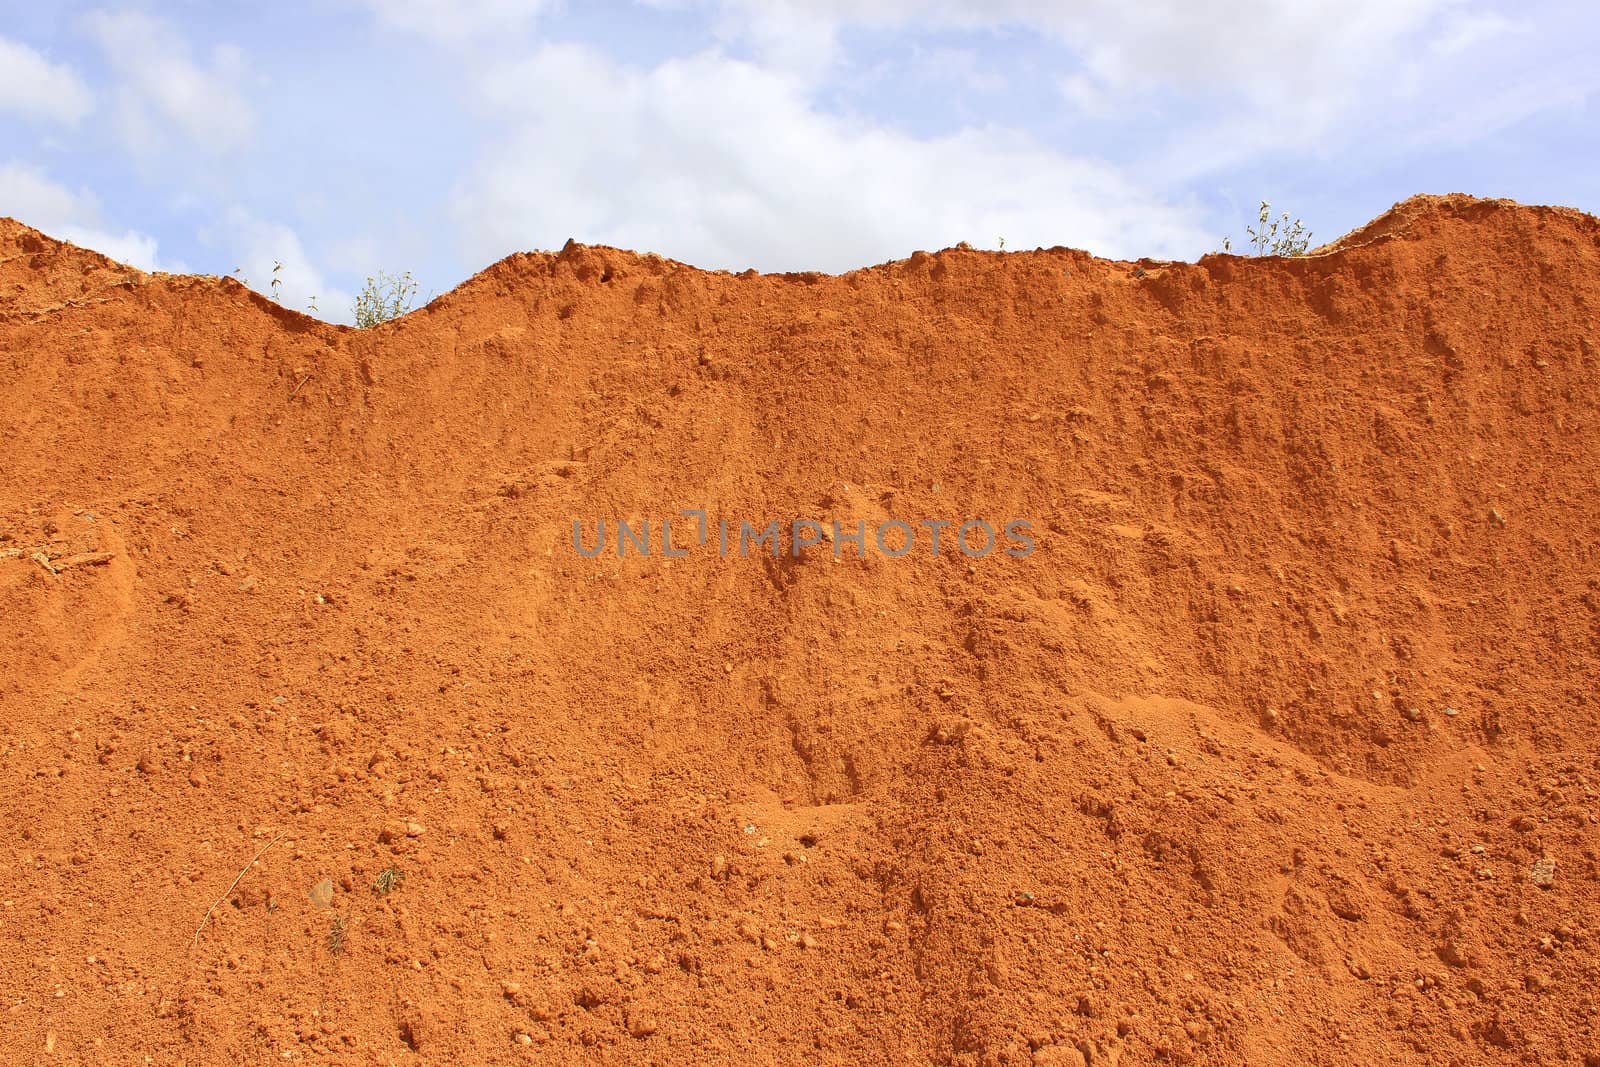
[(1282, 746)]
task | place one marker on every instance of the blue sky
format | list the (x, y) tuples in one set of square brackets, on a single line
[(436, 136)]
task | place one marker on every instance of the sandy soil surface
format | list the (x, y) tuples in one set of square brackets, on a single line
[(1281, 746)]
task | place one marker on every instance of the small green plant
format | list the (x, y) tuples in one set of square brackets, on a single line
[(336, 935), (388, 881), (1002, 244), (384, 297), (1275, 236), (277, 282)]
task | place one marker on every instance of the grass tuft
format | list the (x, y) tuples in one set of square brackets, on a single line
[(384, 297), (388, 881)]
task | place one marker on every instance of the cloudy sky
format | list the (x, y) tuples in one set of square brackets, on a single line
[(349, 136)]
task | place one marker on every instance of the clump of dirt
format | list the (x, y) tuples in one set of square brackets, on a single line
[(1280, 746)]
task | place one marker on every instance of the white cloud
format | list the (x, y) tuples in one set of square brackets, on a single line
[(162, 86), (35, 88), (456, 20), (1254, 79), (1261, 49), (257, 245), (726, 164), (1255, 45), (798, 38), (130, 246), (29, 196)]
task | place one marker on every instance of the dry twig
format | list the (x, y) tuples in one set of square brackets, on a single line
[(235, 885)]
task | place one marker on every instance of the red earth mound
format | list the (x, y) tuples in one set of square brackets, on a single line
[(1280, 746)]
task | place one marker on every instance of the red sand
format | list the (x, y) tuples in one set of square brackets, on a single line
[(1180, 786)]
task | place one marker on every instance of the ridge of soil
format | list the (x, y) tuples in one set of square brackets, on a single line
[(1280, 747)]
